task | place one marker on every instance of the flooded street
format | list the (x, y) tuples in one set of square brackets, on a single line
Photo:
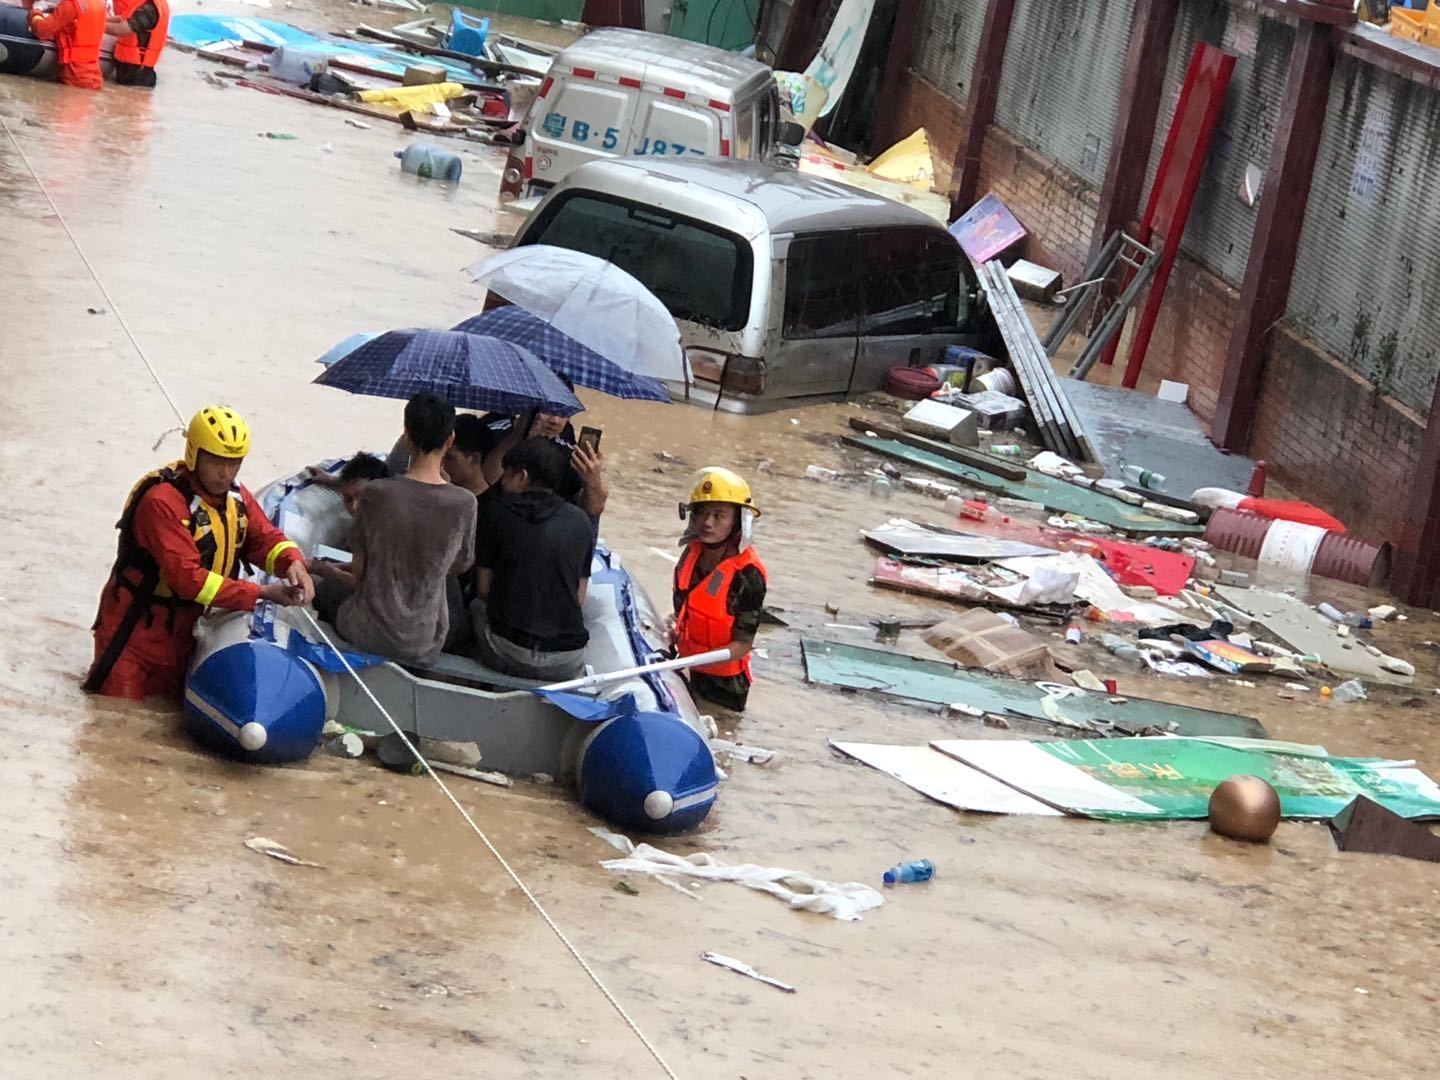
[(140, 938)]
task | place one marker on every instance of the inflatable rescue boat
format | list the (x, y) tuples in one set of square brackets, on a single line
[(263, 684), (22, 53)]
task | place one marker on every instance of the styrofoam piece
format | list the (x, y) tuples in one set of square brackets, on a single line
[(936, 420)]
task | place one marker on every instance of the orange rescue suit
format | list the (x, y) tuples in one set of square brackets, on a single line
[(77, 28), (143, 51), (704, 622), (178, 555)]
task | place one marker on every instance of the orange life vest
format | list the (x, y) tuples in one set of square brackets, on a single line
[(704, 622), (78, 41), (130, 49)]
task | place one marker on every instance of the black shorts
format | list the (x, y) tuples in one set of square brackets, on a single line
[(727, 691), (134, 75)]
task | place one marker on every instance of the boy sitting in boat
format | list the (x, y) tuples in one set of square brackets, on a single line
[(719, 586), (532, 568), (410, 533)]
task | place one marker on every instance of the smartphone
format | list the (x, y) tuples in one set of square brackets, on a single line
[(589, 438)]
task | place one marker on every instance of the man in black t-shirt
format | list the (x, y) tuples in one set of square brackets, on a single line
[(533, 551)]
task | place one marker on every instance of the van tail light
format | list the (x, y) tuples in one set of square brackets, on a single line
[(742, 374)]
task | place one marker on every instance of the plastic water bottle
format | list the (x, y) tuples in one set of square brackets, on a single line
[(1008, 450), (881, 488), (906, 873), (430, 163), (1143, 477)]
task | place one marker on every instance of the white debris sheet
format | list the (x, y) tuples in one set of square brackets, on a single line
[(802, 892), (945, 779), (1095, 586)]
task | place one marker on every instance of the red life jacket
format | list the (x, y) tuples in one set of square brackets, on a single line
[(137, 49), (79, 41), (704, 622)]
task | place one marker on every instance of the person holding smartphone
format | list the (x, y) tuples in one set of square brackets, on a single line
[(584, 481)]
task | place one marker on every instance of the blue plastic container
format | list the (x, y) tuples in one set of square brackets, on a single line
[(430, 163)]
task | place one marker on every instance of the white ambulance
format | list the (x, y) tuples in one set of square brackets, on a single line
[(626, 93)]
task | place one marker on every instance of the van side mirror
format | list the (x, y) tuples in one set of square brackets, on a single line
[(791, 133)]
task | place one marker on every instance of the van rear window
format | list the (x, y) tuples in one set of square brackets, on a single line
[(700, 273)]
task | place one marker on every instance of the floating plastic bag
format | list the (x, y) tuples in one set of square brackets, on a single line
[(802, 892)]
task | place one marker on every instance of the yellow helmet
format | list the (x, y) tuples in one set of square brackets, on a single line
[(716, 484), (218, 430)]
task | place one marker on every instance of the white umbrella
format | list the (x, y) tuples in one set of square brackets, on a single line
[(593, 301)]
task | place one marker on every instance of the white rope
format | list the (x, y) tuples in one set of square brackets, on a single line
[(109, 300), (599, 984), (550, 922)]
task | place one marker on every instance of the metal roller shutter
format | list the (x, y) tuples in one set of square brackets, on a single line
[(1221, 225), (949, 40), (1367, 277), (1061, 84)]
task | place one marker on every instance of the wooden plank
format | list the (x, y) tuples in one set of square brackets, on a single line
[(490, 67), (977, 458)]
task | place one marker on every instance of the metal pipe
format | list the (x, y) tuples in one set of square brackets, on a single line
[(587, 682)]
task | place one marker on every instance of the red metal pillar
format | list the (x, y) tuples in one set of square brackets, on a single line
[(1133, 136), (1266, 288), (1417, 552), (885, 129), (984, 89), (801, 38)]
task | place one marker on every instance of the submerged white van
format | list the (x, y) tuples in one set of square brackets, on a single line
[(626, 93), (788, 288)]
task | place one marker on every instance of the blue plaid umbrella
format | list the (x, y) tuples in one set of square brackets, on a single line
[(467, 370), (563, 354)]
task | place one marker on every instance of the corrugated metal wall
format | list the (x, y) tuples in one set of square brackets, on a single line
[(1367, 279), (949, 40), (1221, 225), (1061, 84)]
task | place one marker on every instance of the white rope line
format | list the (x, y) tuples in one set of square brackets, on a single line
[(599, 984), (109, 300), (545, 915)]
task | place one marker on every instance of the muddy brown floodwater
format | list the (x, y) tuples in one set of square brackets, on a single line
[(140, 938)]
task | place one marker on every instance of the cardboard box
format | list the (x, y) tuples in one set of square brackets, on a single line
[(981, 639), (423, 75)]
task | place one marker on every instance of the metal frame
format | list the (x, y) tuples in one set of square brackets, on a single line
[(1060, 428), (1139, 262)]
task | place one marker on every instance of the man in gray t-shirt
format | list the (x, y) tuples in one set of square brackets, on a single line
[(411, 533)]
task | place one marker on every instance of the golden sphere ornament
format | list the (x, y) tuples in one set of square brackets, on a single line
[(1245, 808)]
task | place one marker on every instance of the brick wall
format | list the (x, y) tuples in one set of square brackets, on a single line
[(1326, 436), (1192, 333), (1331, 439), (1057, 209)]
